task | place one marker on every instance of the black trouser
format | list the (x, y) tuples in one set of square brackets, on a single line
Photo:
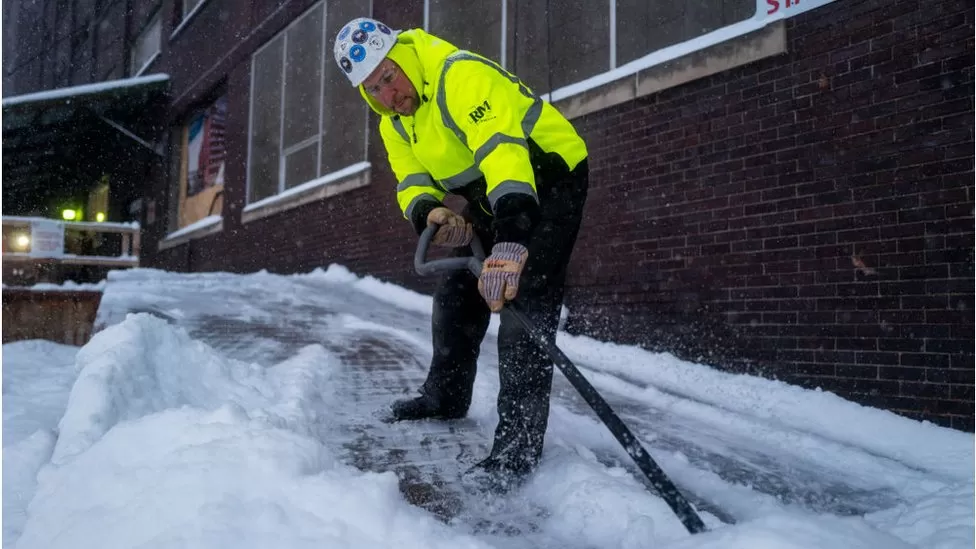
[(460, 319)]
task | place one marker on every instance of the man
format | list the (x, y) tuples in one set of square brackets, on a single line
[(455, 122)]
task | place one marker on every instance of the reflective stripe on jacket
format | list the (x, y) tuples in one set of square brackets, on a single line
[(475, 119)]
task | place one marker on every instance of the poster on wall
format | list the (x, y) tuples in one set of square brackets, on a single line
[(203, 164), (206, 153)]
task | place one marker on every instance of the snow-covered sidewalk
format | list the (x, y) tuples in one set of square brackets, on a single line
[(219, 410)]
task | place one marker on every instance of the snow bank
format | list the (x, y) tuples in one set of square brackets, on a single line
[(919, 444), (193, 478), (37, 376), (164, 443)]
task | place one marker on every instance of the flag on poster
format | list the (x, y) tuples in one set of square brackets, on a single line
[(206, 147)]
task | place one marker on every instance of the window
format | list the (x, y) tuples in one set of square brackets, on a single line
[(672, 23), (306, 122), (146, 46), (199, 182), (188, 6), (550, 44), (453, 21)]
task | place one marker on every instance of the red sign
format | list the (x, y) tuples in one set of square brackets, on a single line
[(781, 9)]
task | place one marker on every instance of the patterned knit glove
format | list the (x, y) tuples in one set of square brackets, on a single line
[(453, 230), (500, 274)]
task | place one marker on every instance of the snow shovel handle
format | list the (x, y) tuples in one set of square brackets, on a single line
[(655, 475), (434, 266)]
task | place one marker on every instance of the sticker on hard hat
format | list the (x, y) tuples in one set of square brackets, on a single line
[(376, 42), (357, 53), (345, 64), (367, 26), (359, 36), (383, 28), (345, 32)]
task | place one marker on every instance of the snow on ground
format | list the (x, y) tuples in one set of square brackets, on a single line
[(147, 437), (67, 285)]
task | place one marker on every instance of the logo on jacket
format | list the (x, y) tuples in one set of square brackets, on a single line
[(481, 113)]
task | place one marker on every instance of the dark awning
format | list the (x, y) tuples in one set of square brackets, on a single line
[(58, 139)]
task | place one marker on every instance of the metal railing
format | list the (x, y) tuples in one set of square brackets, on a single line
[(42, 240)]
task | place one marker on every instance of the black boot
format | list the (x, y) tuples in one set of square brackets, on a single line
[(497, 476), (422, 407)]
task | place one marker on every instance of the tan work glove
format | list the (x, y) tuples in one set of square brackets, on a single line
[(500, 274), (453, 231)]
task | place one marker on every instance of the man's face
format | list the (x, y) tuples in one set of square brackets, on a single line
[(391, 87)]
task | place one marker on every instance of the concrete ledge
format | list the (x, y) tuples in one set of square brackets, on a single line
[(748, 48), (172, 242), (315, 192)]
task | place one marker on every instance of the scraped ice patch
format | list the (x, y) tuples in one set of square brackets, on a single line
[(350, 322), (186, 477)]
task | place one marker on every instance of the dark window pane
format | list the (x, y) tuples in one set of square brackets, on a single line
[(529, 29), (344, 113), (265, 121), (303, 78), (579, 40), (300, 165), (473, 26), (644, 27)]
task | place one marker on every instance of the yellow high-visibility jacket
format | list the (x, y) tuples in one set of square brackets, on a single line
[(475, 119)]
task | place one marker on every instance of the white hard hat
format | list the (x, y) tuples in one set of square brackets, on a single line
[(361, 45)]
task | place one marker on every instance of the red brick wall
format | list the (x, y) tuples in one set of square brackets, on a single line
[(808, 217)]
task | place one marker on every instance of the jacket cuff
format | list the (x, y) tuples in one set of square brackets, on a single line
[(516, 215), (418, 217)]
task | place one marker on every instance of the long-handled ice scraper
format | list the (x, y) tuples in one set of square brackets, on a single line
[(661, 483)]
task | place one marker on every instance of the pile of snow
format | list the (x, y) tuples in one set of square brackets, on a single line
[(164, 443)]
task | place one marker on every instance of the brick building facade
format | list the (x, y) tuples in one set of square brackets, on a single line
[(794, 200)]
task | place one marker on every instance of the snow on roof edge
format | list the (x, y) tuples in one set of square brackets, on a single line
[(84, 89)]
